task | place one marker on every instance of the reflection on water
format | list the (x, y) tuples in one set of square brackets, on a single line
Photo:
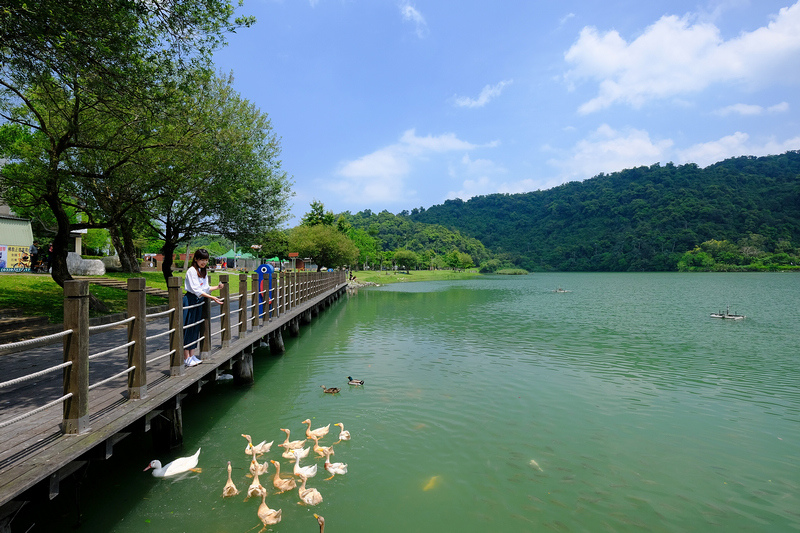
[(498, 404)]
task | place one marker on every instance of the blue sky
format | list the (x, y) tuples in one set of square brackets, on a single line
[(395, 105)]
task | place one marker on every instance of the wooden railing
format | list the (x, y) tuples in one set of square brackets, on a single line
[(289, 290)]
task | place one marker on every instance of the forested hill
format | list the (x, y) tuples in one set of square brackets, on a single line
[(639, 219)]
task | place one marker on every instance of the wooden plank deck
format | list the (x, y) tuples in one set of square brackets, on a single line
[(34, 451)]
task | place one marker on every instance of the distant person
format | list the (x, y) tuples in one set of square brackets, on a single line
[(155, 262), (197, 288), (33, 252)]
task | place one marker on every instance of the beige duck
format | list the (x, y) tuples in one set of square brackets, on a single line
[(267, 516), (293, 444), (282, 484), (319, 432), (320, 450), (343, 434), (334, 468), (256, 449), (308, 496), (229, 489), (321, 522), (255, 489), (258, 469)]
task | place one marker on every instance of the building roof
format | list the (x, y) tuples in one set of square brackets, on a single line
[(15, 231)]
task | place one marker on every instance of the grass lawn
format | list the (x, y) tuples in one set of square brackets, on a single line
[(39, 295)]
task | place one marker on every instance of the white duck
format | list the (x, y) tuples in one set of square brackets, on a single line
[(291, 445), (307, 471), (297, 452), (267, 516), (178, 466), (308, 496), (343, 434), (230, 489), (334, 468), (319, 432), (256, 449)]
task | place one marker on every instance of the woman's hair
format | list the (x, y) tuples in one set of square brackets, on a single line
[(200, 253)]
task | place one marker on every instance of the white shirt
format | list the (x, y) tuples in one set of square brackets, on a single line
[(195, 284)]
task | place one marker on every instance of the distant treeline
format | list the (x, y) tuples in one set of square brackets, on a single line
[(741, 213)]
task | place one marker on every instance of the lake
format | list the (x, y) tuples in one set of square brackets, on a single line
[(498, 404)]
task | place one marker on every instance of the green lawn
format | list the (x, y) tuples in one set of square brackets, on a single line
[(39, 295)]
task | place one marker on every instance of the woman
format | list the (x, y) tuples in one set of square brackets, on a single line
[(197, 287)]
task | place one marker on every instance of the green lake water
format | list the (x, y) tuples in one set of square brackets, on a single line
[(497, 404)]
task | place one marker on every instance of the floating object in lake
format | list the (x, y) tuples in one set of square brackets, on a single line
[(351, 381), (255, 489), (282, 484), (291, 445), (534, 464), (257, 449), (230, 489), (308, 496), (727, 315), (178, 466), (319, 432), (432, 483), (333, 468), (303, 471), (330, 390), (559, 289)]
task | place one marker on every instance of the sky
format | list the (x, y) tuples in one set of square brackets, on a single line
[(393, 104)]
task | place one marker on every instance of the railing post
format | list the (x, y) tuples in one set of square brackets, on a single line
[(76, 350), (254, 300), (225, 320), (205, 328), (137, 332), (242, 305), (176, 325)]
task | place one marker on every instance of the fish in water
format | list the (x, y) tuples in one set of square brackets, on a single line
[(432, 482), (534, 464)]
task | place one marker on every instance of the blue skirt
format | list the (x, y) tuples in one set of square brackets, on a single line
[(190, 316)]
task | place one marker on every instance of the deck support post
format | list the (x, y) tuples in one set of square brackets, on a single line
[(276, 343), (167, 428), (243, 369), (294, 327), (306, 317), (76, 350)]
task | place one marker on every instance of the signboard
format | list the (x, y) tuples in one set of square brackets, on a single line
[(14, 259)]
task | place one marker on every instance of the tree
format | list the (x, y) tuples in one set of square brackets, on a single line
[(406, 259), (70, 69), (318, 215), (325, 244)]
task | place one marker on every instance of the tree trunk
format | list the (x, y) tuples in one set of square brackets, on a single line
[(166, 265), (120, 248)]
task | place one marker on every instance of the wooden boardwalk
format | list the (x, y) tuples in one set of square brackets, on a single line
[(35, 452)]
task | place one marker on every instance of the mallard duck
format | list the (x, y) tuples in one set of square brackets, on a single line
[(258, 449), (268, 516), (258, 469), (230, 489), (308, 496), (307, 471), (334, 468), (343, 434), (255, 489), (330, 390), (321, 522), (320, 450), (282, 484), (291, 445), (178, 466), (319, 432), (351, 381)]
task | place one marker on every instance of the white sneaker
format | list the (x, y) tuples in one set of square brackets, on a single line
[(191, 362), (196, 359)]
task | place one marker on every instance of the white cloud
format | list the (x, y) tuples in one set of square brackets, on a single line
[(609, 150), (675, 57), (705, 154), (379, 177), (489, 93), (410, 14), (752, 109)]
